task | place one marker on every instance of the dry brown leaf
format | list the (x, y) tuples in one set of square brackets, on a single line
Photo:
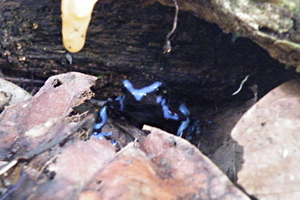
[(161, 167), (186, 165), (130, 175), (270, 133), (11, 94), (25, 124), (74, 168)]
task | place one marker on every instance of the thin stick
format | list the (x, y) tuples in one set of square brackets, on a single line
[(22, 80), (8, 166), (241, 85), (168, 47)]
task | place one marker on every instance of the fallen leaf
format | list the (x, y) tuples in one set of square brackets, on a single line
[(183, 163), (23, 126), (74, 167), (269, 133), (17, 93), (162, 166), (42, 123)]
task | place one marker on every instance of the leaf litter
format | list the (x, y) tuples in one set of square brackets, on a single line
[(42, 158), (269, 133)]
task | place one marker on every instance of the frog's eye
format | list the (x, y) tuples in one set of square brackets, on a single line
[(161, 91), (76, 16)]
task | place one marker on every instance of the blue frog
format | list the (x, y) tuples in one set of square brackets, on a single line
[(149, 105)]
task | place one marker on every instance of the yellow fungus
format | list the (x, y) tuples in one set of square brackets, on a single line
[(76, 16)]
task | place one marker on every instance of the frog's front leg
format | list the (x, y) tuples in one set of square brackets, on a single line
[(98, 133)]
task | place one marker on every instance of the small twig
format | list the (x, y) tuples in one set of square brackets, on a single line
[(241, 85), (168, 47), (22, 80), (8, 166)]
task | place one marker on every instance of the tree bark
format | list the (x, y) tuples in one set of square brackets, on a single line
[(125, 40)]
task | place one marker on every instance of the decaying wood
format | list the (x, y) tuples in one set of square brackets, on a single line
[(125, 40)]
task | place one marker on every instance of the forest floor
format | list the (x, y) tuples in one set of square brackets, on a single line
[(211, 68)]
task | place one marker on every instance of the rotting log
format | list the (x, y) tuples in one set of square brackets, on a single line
[(125, 40)]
